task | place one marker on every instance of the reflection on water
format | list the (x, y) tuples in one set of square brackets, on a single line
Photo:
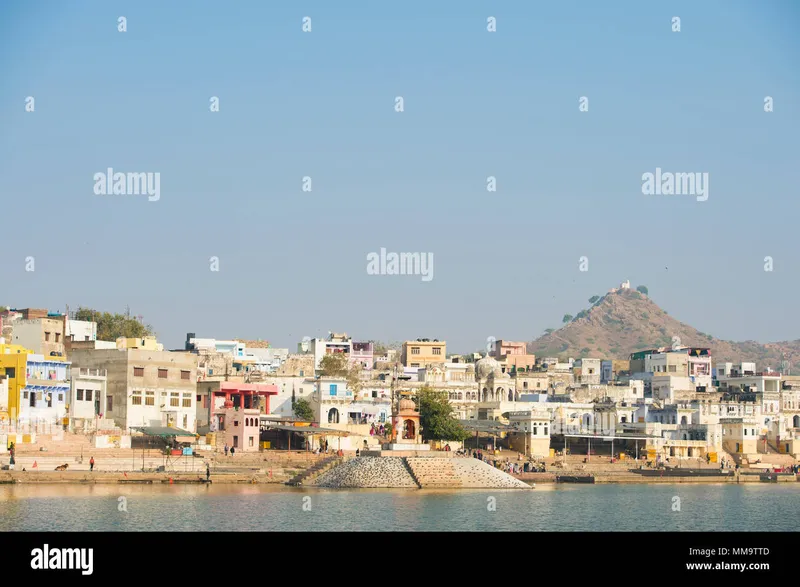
[(276, 507)]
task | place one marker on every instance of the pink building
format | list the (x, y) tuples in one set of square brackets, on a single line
[(503, 348), (236, 412), (363, 353)]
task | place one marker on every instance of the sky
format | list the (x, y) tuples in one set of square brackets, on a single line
[(476, 104)]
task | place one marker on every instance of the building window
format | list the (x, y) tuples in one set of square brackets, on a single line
[(11, 372), (185, 375), (136, 400), (60, 397), (415, 364), (301, 373), (58, 337), (437, 350), (24, 395), (174, 400), (47, 337), (150, 398), (187, 400), (235, 442), (206, 401), (109, 404), (333, 388), (251, 441), (162, 373), (138, 371), (88, 395), (78, 395), (185, 421), (414, 350)]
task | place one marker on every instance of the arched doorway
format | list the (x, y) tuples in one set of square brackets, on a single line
[(796, 422), (511, 395), (485, 394), (333, 416), (409, 430), (683, 420)]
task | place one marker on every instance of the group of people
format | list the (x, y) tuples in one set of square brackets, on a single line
[(323, 448), (232, 449), (379, 430)]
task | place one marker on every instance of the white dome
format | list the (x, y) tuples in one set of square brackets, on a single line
[(486, 366)]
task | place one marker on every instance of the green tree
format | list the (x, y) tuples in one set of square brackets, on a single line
[(302, 410), (112, 326), (642, 289), (436, 417), (566, 318), (593, 299), (549, 330), (338, 365), (581, 314)]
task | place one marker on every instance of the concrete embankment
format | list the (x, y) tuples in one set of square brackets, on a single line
[(85, 478), (429, 472), (629, 477)]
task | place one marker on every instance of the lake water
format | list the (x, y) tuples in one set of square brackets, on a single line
[(751, 507)]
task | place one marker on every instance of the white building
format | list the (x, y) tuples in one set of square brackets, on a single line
[(334, 344), (44, 397), (80, 330), (88, 399)]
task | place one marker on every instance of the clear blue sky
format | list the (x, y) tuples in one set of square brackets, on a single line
[(477, 104)]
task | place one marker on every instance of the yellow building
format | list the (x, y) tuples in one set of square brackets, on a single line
[(423, 352), (145, 343), (13, 364)]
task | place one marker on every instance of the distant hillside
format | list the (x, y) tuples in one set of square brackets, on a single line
[(627, 321)]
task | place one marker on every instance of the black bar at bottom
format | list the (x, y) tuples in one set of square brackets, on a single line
[(177, 556)]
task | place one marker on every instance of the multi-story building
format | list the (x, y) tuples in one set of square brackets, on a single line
[(587, 372), (146, 387), (89, 401), (38, 330), (699, 367), (749, 381), (668, 363), (503, 348), (79, 330), (363, 354), (38, 388), (735, 369), (423, 351), (213, 397), (740, 436), (513, 355), (318, 347)]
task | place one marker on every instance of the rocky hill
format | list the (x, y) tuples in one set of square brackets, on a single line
[(627, 321)]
